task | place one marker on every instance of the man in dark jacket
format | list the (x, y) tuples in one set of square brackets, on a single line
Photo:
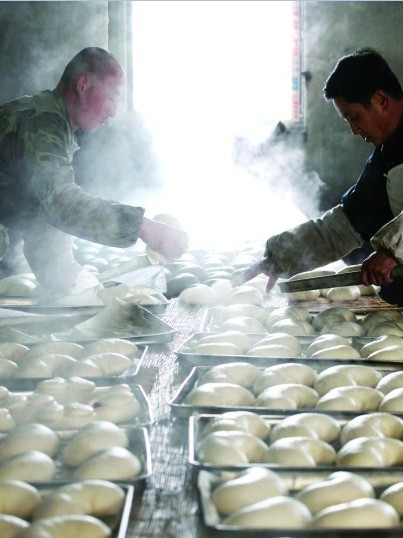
[(368, 96)]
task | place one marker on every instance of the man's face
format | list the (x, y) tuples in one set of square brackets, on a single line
[(98, 100), (367, 122)]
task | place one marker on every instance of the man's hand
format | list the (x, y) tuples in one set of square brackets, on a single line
[(265, 266), (167, 240), (376, 269)]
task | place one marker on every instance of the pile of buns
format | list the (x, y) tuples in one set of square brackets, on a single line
[(307, 439), (68, 403), (107, 357), (35, 453), (76, 509), (260, 498), (293, 385)]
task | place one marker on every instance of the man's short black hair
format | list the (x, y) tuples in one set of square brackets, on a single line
[(359, 75)]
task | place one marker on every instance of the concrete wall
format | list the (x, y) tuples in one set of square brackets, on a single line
[(37, 39), (332, 29)]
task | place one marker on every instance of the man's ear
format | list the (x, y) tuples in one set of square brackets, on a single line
[(380, 99), (82, 84)]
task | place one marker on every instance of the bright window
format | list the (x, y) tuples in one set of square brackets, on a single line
[(205, 72)]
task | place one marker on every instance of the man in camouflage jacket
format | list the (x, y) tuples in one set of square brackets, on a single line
[(40, 202)]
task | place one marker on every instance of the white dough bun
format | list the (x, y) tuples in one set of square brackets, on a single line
[(358, 514), (253, 485), (220, 394), (28, 437), (32, 466), (114, 463), (69, 526), (18, 498), (272, 513), (338, 487)]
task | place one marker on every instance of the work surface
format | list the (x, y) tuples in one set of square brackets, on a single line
[(168, 505)]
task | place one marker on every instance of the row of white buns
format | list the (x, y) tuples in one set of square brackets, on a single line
[(78, 508), (385, 348), (35, 453), (298, 321), (260, 498), (68, 404), (302, 440), (295, 385), (101, 358)]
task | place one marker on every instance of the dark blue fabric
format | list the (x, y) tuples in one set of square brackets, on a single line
[(366, 203)]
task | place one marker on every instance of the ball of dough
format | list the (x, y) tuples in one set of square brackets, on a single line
[(289, 372), (245, 294), (371, 452), (237, 338), (388, 354), (10, 526), (241, 373), (199, 294), (217, 348), (251, 422), (243, 323), (332, 314), (380, 343), (71, 349), (224, 313), (254, 448), (391, 381), (372, 425), (393, 401), (292, 326), (32, 466), (307, 295), (116, 406), (317, 425), (283, 450), (28, 437), (325, 341), (220, 394), (343, 328), (34, 368), (385, 327), (374, 318), (350, 399), (343, 293), (112, 345), (12, 351), (251, 486), (272, 513), (342, 352), (99, 498), (57, 504), (358, 514), (393, 495), (284, 339), (92, 438), (344, 375), (7, 422), (271, 350), (68, 526), (18, 498), (111, 363), (288, 396), (336, 488), (8, 368), (114, 463)]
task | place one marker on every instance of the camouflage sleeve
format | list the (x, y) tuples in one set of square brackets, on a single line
[(65, 205), (313, 243)]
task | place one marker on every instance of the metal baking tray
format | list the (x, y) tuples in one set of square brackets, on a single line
[(189, 358), (184, 410), (139, 445), (211, 324), (118, 523), (54, 323), (207, 481), (128, 376), (143, 418), (198, 422)]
